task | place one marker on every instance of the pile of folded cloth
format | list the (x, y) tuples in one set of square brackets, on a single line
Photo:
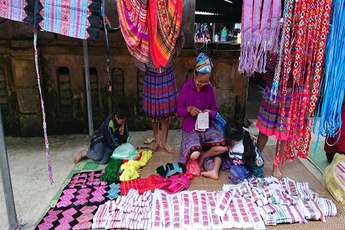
[(127, 212), (185, 210), (251, 204), (277, 201)]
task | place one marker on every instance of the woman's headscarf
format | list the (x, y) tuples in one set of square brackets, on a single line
[(203, 64)]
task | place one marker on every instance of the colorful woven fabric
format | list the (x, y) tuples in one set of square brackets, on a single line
[(259, 33), (134, 27), (77, 203), (164, 24), (13, 10), (269, 120), (305, 31), (132, 211), (277, 201), (151, 29), (185, 210), (77, 19), (159, 98)]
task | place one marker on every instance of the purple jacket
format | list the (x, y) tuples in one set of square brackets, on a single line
[(188, 96)]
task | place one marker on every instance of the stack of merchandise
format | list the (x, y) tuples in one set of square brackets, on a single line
[(278, 202), (127, 212), (237, 209), (185, 210)]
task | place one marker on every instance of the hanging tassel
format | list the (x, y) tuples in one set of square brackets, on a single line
[(46, 142)]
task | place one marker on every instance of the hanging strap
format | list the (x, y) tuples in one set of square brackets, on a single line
[(108, 60), (107, 26), (44, 123), (46, 142)]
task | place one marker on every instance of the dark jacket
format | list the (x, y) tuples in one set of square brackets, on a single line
[(108, 134)]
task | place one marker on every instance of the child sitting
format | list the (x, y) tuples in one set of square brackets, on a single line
[(244, 157), (112, 133)]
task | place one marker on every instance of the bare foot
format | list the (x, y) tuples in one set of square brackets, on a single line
[(195, 155), (167, 148), (201, 161), (277, 173), (211, 174), (154, 146), (79, 156)]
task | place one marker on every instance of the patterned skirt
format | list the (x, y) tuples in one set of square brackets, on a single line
[(160, 94), (195, 141), (269, 120)]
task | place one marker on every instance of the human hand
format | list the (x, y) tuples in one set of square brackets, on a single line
[(193, 110), (122, 130), (206, 111)]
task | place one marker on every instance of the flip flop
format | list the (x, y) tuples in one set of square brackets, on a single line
[(149, 140)]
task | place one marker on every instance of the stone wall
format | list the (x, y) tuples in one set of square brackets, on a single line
[(61, 66)]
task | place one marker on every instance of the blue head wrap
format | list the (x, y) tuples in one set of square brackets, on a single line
[(203, 64)]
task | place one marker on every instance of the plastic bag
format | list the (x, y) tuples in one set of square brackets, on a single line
[(193, 168), (125, 151), (220, 121), (333, 176)]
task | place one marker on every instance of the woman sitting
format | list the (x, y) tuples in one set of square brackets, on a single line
[(112, 133), (196, 96)]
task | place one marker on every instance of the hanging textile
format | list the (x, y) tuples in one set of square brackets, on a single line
[(299, 70), (151, 29), (333, 83), (134, 27), (13, 10), (259, 33), (20, 11), (165, 23), (77, 19), (44, 122)]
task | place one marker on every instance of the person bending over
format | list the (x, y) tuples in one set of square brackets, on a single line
[(112, 133)]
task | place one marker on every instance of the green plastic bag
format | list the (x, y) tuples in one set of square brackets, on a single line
[(125, 151)]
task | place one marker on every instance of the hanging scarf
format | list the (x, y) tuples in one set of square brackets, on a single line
[(304, 38), (259, 33), (165, 23), (77, 18), (134, 27), (151, 30), (333, 83), (13, 10), (20, 11)]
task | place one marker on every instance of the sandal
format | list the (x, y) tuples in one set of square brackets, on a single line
[(149, 140)]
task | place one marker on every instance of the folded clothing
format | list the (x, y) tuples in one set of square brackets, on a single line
[(172, 184), (132, 211), (111, 173), (185, 210), (171, 169), (130, 169), (327, 207)]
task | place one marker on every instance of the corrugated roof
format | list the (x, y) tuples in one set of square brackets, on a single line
[(225, 11)]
